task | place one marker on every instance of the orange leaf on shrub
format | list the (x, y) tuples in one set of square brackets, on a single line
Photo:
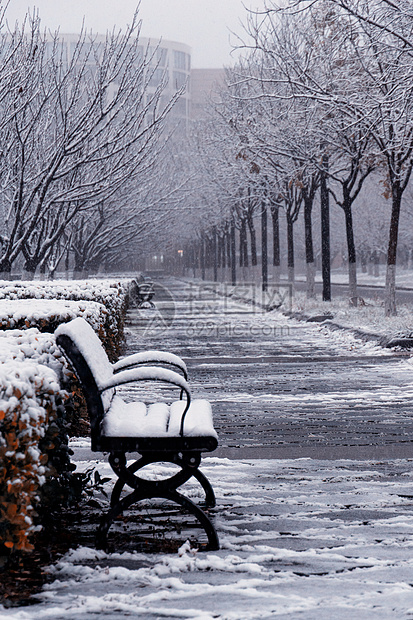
[(11, 510)]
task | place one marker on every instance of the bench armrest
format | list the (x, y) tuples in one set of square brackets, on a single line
[(146, 357), (146, 373), (151, 373)]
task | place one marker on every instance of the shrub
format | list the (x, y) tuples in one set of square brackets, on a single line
[(30, 398), (113, 295)]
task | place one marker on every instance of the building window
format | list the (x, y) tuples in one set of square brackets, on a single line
[(157, 76), (179, 79), (180, 60)]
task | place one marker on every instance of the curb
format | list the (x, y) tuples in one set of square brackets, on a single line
[(383, 341)]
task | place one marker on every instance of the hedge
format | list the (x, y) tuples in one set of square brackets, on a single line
[(30, 396), (39, 393), (113, 295)]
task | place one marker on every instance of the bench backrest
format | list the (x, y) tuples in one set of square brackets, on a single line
[(88, 342), (86, 354)]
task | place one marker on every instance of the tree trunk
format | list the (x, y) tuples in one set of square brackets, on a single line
[(29, 269), (214, 254), (254, 259), (5, 269), (233, 255), (223, 251), (376, 264), (310, 280), (325, 232), (228, 248), (276, 256), (309, 247), (196, 258), (67, 264), (202, 257), (363, 261), (243, 254), (390, 291), (264, 247), (219, 251), (290, 249), (243, 244), (352, 258)]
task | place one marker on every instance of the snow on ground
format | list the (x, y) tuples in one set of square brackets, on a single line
[(404, 277), (300, 539), (368, 318)]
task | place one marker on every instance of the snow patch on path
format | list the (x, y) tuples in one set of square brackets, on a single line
[(300, 538)]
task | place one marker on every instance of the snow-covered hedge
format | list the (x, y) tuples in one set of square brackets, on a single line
[(33, 375), (104, 291), (75, 298), (30, 402), (47, 314)]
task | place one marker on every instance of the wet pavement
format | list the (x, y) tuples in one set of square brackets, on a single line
[(280, 388)]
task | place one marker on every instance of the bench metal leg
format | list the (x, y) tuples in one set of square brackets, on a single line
[(210, 500), (165, 489)]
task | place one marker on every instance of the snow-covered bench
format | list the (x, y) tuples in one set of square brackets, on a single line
[(144, 292), (176, 433)]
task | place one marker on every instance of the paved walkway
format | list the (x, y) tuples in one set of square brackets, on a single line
[(281, 388)]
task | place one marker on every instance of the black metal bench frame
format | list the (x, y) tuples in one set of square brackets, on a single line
[(183, 451), (144, 293)]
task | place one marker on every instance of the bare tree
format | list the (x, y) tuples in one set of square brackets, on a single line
[(86, 125)]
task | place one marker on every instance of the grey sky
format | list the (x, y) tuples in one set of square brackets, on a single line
[(205, 25)]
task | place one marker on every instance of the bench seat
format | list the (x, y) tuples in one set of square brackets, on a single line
[(139, 427)]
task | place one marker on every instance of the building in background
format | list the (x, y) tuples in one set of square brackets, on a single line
[(171, 60), (170, 64), (205, 83)]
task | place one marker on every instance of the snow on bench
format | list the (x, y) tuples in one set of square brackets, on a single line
[(178, 432)]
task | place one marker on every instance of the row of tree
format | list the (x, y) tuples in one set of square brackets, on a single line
[(81, 135), (321, 102)]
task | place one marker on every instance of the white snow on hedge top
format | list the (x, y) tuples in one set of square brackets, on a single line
[(62, 289), (30, 344), (31, 311)]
